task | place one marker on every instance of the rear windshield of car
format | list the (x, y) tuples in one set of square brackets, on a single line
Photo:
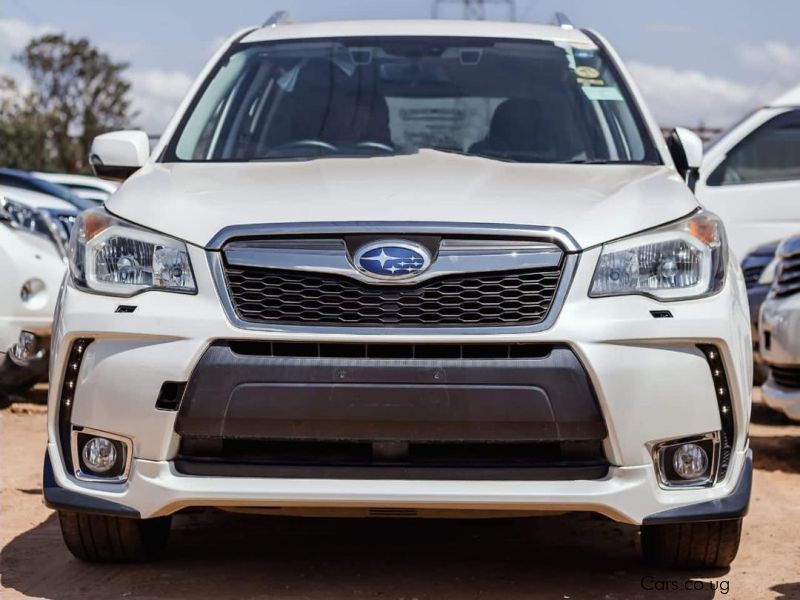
[(526, 101)]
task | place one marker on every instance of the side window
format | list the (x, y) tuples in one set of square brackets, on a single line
[(770, 153)]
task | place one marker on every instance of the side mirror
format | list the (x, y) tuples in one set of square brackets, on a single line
[(119, 154), (686, 149)]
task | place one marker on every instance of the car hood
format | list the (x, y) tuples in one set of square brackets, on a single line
[(593, 203)]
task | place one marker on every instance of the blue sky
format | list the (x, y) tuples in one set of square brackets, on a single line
[(696, 61)]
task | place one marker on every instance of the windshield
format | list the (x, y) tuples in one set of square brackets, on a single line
[(515, 100)]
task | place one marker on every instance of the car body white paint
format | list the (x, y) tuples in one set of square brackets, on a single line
[(652, 381), (23, 256), (753, 213), (594, 203)]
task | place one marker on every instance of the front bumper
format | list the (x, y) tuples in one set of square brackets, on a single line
[(651, 381), (779, 322), (27, 258), (626, 495)]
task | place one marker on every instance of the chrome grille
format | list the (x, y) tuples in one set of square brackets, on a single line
[(751, 275), (788, 280), (263, 295)]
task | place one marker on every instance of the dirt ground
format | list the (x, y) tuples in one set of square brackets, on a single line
[(220, 555)]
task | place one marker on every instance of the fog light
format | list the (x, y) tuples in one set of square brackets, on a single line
[(99, 455), (690, 461)]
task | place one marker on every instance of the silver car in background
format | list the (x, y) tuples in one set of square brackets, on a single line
[(779, 327)]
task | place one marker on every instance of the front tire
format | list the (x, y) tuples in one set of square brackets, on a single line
[(700, 545), (101, 538)]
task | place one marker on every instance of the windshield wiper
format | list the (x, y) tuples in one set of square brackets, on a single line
[(307, 157), (586, 161), (466, 153)]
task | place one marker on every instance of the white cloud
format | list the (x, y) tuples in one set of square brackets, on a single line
[(156, 94), (15, 33), (14, 36), (774, 57), (689, 98)]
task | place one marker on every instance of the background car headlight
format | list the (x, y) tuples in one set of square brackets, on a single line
[(682, 260), (111, 256), (22, 216), (52, 224)]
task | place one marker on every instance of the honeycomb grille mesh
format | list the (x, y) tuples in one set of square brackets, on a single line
[(263, 295)]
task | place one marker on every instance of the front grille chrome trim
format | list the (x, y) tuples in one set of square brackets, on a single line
[(555, 235), (456, 256)]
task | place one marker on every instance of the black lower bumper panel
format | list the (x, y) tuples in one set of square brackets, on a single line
[(252, 413)]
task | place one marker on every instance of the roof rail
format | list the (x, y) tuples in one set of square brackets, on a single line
[(280, 17), (562, 21)]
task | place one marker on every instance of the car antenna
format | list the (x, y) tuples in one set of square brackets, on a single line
[(562, 21), (280, 17)]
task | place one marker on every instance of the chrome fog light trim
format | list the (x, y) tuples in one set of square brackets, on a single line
[(119, 471), (664, 457)]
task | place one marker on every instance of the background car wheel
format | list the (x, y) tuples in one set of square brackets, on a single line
[(706, 544), (99, 538)]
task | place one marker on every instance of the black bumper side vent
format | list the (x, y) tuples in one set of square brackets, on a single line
[(170, 395)]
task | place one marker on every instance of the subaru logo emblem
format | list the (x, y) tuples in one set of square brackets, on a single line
[(392, 259)]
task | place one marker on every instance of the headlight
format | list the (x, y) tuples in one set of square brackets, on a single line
[(682, 260), (22, 216), (114, 257), (49, 224)]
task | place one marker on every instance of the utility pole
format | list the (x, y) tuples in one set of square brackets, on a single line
[(476, 9)]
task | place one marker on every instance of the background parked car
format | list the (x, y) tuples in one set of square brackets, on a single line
[(22, 180), (91, 188), (780, 333), (759, 270), (751, 175), (34, 232)]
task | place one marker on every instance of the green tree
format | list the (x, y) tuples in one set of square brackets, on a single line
[(77, 92), (24, 140)]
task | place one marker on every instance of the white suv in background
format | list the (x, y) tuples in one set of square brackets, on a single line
[(34, 234), (751, 175), (403, 268)]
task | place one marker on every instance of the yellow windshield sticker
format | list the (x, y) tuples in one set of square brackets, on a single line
[(587, 72)]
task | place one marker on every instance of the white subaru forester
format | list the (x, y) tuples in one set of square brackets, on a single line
[(403, 269)]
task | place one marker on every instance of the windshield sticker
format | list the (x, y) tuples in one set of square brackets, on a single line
[(602, 93), (582, 81), (587, 72)]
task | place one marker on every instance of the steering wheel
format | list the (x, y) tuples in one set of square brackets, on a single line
[(307, 143), (375, 145)]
